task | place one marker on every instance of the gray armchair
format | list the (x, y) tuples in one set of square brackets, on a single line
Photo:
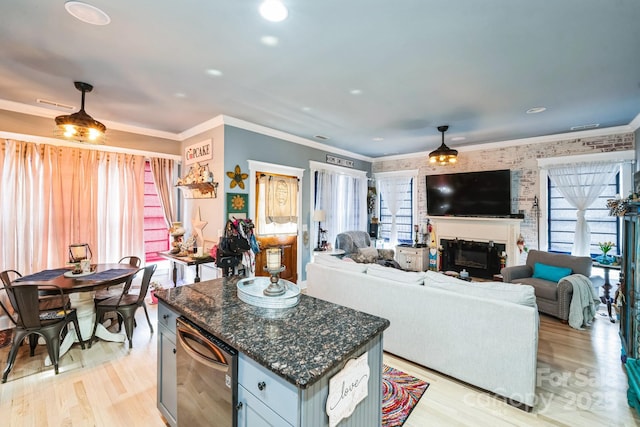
[(552, 298)]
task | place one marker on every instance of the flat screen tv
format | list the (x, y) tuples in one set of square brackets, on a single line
[(486, 193)]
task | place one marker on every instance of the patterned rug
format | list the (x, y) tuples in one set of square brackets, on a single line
[(400, 394)]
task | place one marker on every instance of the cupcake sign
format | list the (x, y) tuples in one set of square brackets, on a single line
[(198, 152)]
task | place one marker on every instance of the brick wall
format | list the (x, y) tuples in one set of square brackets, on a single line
[(521, 159)]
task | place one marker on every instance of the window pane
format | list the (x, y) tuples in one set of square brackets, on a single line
[(562, 221), (404, 218)]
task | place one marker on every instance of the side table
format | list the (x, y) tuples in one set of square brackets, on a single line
[(606, 297), (185, 260), (412, 258)]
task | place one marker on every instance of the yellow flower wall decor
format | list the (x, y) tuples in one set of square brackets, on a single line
[(237, 177)]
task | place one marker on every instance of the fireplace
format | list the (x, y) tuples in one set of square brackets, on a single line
[(480, 259)]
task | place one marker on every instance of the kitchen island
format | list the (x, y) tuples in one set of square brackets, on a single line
[(298, 349)]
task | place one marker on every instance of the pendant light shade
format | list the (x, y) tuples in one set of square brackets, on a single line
[(443, 155), (80, 126)]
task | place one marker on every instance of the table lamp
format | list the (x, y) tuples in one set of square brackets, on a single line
[(319, 216), (79, 251)]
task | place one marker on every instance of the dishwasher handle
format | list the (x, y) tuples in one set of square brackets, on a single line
[(217, 362)]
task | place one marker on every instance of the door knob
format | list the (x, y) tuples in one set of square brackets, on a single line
[(261, 385), (239, 406)]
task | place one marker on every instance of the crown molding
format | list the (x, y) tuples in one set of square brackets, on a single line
[(97, 147), (267, 131), (615, 130)]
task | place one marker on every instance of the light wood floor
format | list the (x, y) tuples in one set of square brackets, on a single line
[(581, 383)]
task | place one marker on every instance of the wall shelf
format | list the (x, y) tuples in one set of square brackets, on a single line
[(200, 190)]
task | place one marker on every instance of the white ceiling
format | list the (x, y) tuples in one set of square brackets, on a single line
[(474, 65)]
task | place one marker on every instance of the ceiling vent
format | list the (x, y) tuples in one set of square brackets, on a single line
[(585, 127), (55, 104)]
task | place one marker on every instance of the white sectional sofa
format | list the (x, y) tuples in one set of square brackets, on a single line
[(482, 333)]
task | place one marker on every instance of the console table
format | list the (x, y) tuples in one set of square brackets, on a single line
[(185, 260)]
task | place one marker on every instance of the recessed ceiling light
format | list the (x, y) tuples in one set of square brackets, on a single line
[(378, 139), (213, 72), (306, 108), (458, 138), (273, 10), (269, 40), (584, 127), (355, 92), (180, 95), (87, 13), (536, 110)]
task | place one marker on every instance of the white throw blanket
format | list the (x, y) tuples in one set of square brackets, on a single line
[(584, 301)]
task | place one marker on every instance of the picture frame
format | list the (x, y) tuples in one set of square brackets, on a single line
[(237, 205)]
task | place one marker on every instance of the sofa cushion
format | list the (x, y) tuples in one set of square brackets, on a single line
[(509, 292), (334, 262), (550, 272), (412, 277), (365, 255)]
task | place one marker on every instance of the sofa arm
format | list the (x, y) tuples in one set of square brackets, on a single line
[(509, 274), (565, 292)]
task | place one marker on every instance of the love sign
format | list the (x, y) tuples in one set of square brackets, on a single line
[(347, 388)]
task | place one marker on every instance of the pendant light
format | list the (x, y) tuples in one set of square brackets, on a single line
[(443, 155), (80, 126)]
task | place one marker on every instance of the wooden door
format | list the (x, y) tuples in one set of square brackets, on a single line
[(281, 234), (289, 247)]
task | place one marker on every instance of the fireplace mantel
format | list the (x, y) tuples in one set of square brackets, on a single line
[(499, 230)]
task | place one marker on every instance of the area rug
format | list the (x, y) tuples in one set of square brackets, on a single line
[(400, 394)]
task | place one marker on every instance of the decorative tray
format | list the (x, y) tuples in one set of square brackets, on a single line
[(250, 290)]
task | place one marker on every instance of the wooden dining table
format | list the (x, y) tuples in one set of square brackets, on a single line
[(81, 290)]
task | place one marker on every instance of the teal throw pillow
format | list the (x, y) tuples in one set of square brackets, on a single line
[(550, 272)]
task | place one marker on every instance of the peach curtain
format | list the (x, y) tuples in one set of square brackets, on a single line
[(54, 196), (163, 176)]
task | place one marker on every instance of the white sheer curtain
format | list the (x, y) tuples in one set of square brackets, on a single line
[(54, 196), (390, 189), (581, 184), (344, 199)]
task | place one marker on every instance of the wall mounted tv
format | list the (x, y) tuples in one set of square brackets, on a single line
[(486, 193)]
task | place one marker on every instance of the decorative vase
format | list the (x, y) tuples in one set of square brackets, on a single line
[(176, 232), (605, 259), (154, 299)]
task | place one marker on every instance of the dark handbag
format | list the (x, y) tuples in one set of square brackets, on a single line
[(233, 243)]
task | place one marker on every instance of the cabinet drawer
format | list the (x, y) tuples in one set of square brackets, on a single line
[(275, 392), (167, 318)]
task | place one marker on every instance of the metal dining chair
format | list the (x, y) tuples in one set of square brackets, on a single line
[(114, 291), (45, 302), (126, 305), (30, 320)]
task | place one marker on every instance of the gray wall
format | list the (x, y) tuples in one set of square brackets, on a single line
[(241, 145)]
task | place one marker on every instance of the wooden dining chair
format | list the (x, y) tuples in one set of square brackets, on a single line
[(30, 320), (126, 305)]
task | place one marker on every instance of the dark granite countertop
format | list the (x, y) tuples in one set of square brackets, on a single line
[(300, 343)]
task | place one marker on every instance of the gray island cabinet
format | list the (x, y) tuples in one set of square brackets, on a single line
[(286, 357)]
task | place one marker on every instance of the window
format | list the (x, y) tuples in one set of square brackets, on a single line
[(156, 234), (404, 217), (562, 220)]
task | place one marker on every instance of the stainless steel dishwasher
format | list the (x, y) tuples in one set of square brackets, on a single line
[(207, 371)]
